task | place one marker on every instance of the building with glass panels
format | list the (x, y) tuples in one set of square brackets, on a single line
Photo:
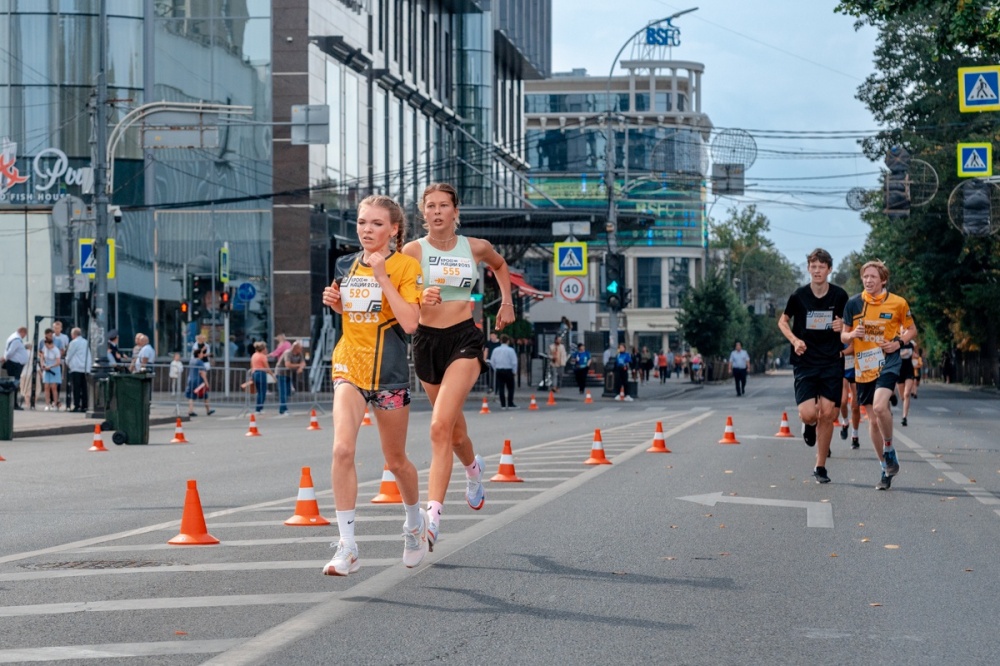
[(181, 205), (660, 164), (418, 91)]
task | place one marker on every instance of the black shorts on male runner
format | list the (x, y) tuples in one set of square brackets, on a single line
[(825, 382), (866, 390), (435, 348)]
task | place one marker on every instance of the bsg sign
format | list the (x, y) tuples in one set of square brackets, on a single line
[(665, 36)]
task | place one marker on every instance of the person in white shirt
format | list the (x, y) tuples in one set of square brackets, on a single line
[(739, 362), (78, 363), (145, 357), (176, 372), (62, 343), (503, 359), (15, 356)]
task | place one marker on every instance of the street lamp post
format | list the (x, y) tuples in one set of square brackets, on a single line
[(101, 255), (611, 227)]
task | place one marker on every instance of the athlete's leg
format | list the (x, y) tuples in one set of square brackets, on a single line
[(881, 420), (348, 412), (824, 429), (392, 425), (448, 431)]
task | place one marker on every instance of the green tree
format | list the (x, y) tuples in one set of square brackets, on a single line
[(948, 279), (711, 317)]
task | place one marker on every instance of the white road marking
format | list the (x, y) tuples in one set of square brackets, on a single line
[(818, 514), (118, 650), (163, 603), (982, 496)]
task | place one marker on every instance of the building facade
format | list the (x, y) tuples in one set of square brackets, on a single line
[(418, 91), (660, 165)]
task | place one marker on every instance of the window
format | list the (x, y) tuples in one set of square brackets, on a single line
[(679, 279), (648, 282)]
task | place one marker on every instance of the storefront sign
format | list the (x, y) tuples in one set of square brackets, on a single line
[(50, 178)]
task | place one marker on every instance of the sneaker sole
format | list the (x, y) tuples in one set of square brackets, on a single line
[(423, 536), (331, 571)]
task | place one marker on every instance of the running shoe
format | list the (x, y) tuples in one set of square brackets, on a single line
[(475, 494), (809, 434), (843, 431), (820, 475), (893, 400), (891, 462), (884, 483), (904, 421), (855, 444), (345, 561), (415, 542)]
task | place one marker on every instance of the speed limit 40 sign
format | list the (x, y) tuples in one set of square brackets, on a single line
[(572, 289)]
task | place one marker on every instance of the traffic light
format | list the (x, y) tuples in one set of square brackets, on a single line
[(976, 208), (897, 182), (184, 308), (224, 302), (615, 293), (200, 285)]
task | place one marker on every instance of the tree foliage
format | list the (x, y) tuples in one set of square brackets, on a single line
[(711, 317), (950, 280)]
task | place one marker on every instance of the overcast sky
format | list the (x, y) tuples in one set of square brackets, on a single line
[(779, 65)]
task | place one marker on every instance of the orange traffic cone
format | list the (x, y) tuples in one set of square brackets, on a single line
[(486, 407), (597, 451), (864, 414), (729, 437), (784, 430), (533, 405), (253, 432), (589, 400), (368, 418), (313, 421), (193, 532), (552, 398), (2, 459), (659, 441), (388, 491), (98, 442), (306, 507), (179, 434), (505, 473)]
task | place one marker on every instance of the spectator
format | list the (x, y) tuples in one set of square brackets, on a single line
[(144, 356), (557, 356), (292, 361), (50, 360), (78, 362), (645, 363), (15, 356), (116, 359), (581, 366), (503, 360), (262, 373), (176, 372), (197, 385), (283, 346), (62, 342), (622, 362), (739, 362), (234, 349)]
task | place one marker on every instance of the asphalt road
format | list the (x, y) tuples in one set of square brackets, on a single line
[(709, 554)]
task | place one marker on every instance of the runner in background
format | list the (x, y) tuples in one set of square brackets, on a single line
[(878, 323), (904, 384), (849, 399)]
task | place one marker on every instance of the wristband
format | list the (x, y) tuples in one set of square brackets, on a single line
[(510, 304)]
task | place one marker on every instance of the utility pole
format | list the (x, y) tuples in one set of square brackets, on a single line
[(611, 227), (99, 148)]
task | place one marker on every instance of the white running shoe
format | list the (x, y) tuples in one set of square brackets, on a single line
[(475, 494), (415, 542), (345, 561)]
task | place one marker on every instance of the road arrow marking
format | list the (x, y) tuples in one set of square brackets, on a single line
[(818, 514)]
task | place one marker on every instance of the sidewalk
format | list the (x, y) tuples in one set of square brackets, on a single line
[(40, 423), (648, 391)]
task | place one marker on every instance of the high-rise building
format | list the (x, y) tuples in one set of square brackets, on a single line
[(654, 109)]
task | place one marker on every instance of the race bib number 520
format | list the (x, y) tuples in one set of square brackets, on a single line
[(361, 294)]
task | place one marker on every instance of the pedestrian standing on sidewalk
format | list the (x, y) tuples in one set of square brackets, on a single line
[(61, 341), (176, 372), (503, 360), (78, 364), (262, 373), (197, 383), (622, 362), (812, 322), (50, 361), (557, 357), (15, 356), (378, 296), (290, 365), (447, 347), (739, 362)]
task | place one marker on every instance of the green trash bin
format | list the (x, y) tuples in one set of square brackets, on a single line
[(132, 394), (8, 396)]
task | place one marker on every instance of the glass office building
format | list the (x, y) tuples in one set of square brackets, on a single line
[(180, 205)]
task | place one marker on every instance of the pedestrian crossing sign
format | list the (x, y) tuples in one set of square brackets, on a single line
[(975, 160), (571, 258), (979, 88), (88, 265)]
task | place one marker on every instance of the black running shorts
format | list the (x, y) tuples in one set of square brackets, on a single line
[(813, 382), (435, 348), (866, 390)]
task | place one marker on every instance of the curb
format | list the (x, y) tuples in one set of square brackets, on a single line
[(78, 428)]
